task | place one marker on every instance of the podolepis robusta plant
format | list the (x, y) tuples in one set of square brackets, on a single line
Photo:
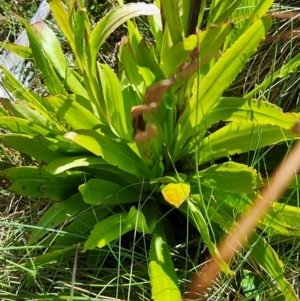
[(135, 144)]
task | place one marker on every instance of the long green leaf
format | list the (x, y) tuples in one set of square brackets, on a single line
[(170, 10), (108, 230), (217, 80), (50, 258), (268, 259), (20, 50), (22, 109), (209, 41), (23, 126), (99, 192), (50, 77), (242, 109), (113, 152), (222, 11), (129, 63), (290, 67), (56, 215), (62, 19), (62, 187), (278, 219), (239, 137), (117, 115), (73, 113), (52, 48), (229, 176), (30, 146), (35, 101), (163, 277), (190, 209), (80, 227), (61, 164), (112, 21)]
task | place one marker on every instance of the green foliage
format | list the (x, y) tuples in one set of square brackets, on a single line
[(110, 140)]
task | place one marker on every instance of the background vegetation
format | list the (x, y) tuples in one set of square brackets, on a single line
[(58, 243)]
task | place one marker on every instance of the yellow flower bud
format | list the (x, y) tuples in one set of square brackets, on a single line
[(176, 193)]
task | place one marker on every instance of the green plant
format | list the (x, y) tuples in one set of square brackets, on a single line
[(134, 144)]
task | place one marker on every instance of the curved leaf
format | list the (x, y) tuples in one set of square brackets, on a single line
[(113, 20), (30, 146), (108, 230), (240, 109), (20, 50), (35, 101), (268, 259), (209, 41), (52, 47), (118, 116), (290, 67), (191, 210), (172, 16), (61, 164), (23, 126), (80, 227), (51, 79), (229, 176), (73, 113), (217, 80), (163, 277), (239, 137), (56, 215), (99, 192), (113, 152)]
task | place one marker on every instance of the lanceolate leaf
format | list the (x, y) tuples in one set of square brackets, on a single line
[(170, 10), (108, 230), (129, 63), (267, 258), (229, 176), (56, 215), (281, 218), (218, 79), (61, 187), (21, 109), (80, 227), (290, 67), (30, 146), (50, 257), (52, 48), (113, 152), (113, 20), (209, 42), (191, 210), (239, 109), (61, 164), (116, 113), (62, 19), (23, 126), (222, 11), (23, 172), (22, 51), (239, 137), (163, 277), (35, 101), (70, 111), (42, 61), (99, 192)]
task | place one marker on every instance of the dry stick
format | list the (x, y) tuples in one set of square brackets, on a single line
[(237, 237)]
